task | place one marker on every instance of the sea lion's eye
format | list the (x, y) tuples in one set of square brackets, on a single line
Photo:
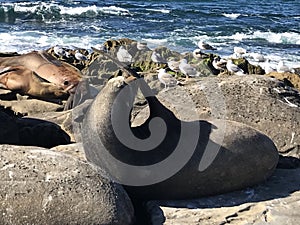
[(66, 82)]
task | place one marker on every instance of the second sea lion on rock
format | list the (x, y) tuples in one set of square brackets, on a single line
[(25, 81), (166, 158), (47, 67)]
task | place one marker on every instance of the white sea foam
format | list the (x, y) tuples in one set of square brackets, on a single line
[(24, 42), (113, 10), (231, 15), (284, 38), (166, 11), (77, 10), (271, 37), (64, 10)]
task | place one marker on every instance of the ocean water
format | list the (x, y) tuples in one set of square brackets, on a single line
[(268, 27)]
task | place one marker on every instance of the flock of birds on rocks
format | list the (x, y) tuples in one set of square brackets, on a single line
[(221, 64)]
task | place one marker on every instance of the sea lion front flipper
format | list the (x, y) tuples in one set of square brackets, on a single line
[(49, 58), (42, 88)]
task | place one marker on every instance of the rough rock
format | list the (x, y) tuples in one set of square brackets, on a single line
[(274, 202), (31, 106), (40, 186), (261, 102), (75, 149), (291, 79)]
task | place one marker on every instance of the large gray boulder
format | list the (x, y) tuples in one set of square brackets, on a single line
[(40, 186)]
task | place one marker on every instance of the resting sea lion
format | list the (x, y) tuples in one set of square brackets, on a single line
[(47, 67), (166, 158), (25, 81)]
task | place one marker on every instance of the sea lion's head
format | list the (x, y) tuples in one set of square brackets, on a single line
[(68, 77)]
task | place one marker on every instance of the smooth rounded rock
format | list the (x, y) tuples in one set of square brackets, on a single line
[(40, 186)]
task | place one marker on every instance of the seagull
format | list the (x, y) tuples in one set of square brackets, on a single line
[(257, 57), (232, 68), (166, 78), (238, 52), (123, 55), (174, 65), (60, 51), (203, 45), (219, 64), (141, 46), (268, 67), (282, 68), (157, 58), (79, 56), (198, 54), (187, 69)]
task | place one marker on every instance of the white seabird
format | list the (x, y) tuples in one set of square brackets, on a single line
[(238, 52), (219, 64), (268, 68), (59, 51), (166, 78), (257, 57), (282, 68), (79, 56), (141, 46), (123, 55), (205, 46), (197, 54), (187, 69), (157, 58), (231, 67), (174, 65)]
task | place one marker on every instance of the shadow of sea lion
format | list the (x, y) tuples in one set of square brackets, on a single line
[(29, 131)]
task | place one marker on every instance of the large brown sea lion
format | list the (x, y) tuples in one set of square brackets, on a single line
[(166, 158), (25, 81), (47, 67)]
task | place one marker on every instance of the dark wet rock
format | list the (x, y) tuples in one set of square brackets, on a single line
[(70, 57), (8, 54), (291, 79), (40, 186), (112, 45), (247, 67)]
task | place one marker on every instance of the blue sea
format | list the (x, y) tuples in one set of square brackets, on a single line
[(271, 28)]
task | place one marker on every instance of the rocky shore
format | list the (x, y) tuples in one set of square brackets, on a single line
[(45, 175)]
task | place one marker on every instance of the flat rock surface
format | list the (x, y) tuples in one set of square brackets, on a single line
[(275, 202)]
